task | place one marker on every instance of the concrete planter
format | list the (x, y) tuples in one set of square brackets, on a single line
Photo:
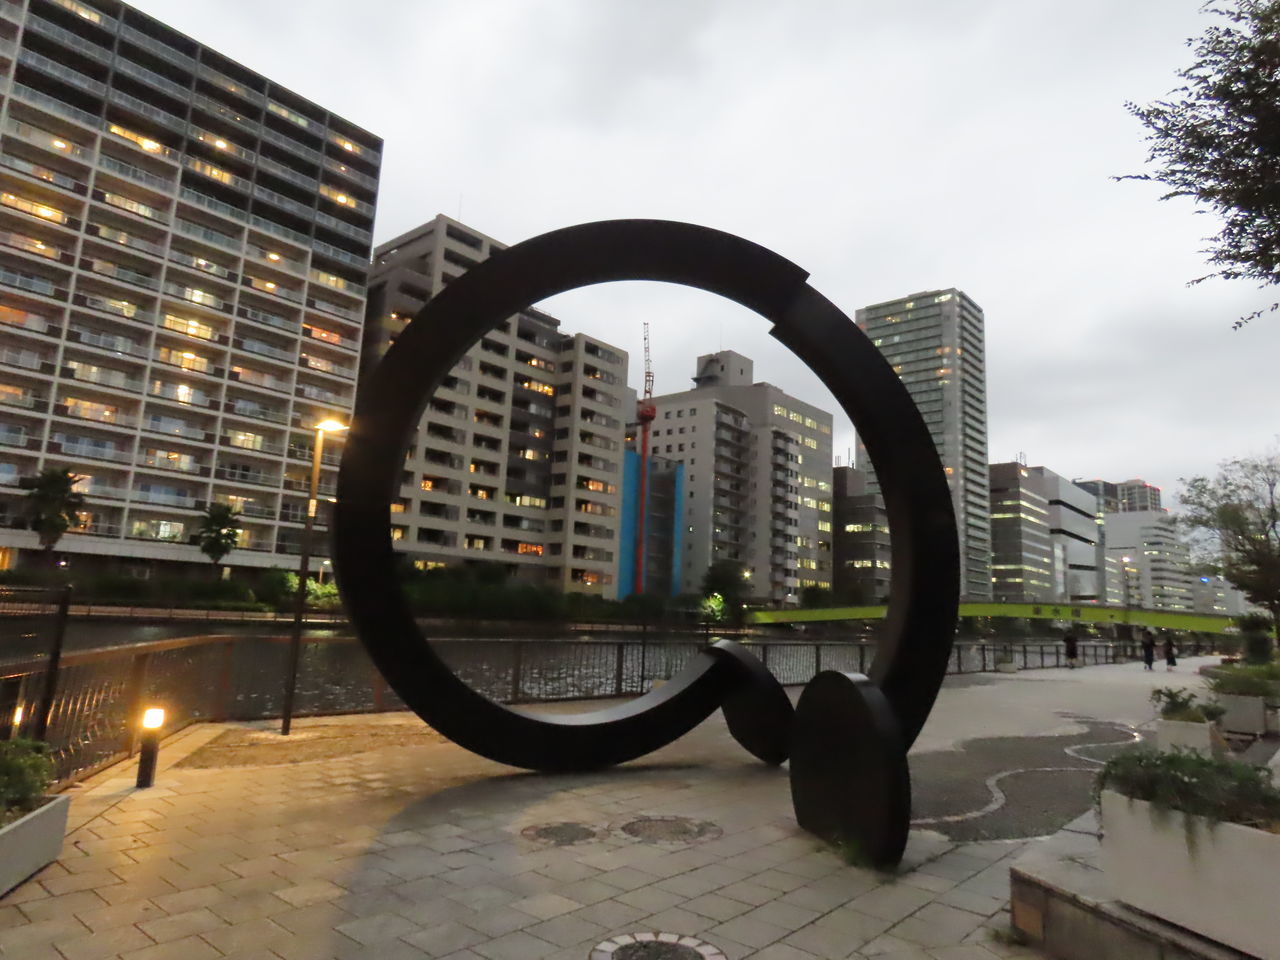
[(1247, 715), (1215, 879), (1202, 738), (1007, 666), (33, 842)]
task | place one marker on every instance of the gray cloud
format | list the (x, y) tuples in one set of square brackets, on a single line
[(888, 148)]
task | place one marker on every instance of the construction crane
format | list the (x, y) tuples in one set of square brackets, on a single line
[(646, 412)]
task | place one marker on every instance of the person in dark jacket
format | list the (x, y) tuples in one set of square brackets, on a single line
[(1148, 650), (1169, 651), (1071, 647)]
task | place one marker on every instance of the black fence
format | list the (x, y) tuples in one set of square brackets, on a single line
[(91, 700)]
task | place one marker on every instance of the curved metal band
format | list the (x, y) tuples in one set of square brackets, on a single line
[(914, 651)]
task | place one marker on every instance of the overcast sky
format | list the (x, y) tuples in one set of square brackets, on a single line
[(887, 148)]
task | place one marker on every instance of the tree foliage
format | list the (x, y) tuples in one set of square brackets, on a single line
[(1239, 511), (727, 579), (1216, 139), (52, 505), (219, 531)]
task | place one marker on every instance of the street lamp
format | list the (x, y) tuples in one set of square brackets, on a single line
[(304, 569)]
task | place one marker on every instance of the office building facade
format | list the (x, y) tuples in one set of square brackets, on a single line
[(518, 459), (1155, 563), (663, 531), (936, 342), (757, 479), (1125, 496), (861, 554), (184, 247), (1077, 541), (1022, 563)]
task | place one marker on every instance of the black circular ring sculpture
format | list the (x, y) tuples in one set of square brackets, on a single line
[(915, 642)]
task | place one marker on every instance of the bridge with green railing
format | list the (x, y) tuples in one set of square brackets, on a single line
[(1076, 613)]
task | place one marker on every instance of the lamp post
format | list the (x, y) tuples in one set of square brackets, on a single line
[(304, 569), (152, 721)]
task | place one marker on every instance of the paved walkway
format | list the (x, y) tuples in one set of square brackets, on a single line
[(426, 851)]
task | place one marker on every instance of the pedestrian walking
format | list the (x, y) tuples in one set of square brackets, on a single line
[(1072, 647), (1148, 650), (1169, 651)]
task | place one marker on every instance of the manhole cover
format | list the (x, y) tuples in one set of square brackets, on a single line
[(559, 834), (670, 830), (655, 946)]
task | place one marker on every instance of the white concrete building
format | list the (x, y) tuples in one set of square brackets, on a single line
[(184, 245), (518, 458), (757, 478), (1155, 563)]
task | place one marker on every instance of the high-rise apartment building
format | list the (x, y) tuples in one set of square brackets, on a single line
[(184, 247), (1123, 497), (936, 343), (1022, 564), (757, 478), (518, 458)]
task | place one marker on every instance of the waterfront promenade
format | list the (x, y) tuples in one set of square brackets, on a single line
[(370, 837)]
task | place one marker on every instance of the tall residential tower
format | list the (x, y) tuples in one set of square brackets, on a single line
[(936, 343), (757, 466), (184, 246), (518, 458)]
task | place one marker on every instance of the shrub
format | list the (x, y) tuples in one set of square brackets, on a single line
[(1221, 790), (1257, 648), (1180, 704), (25, 774), (1244, 681)]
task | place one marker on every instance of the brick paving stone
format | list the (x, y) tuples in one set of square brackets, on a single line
[(838, 934), (51, 908), (749, 892), (104, 943), (18, 940), (892, 902), (652, 898), (973, 902), (188, 948), (246, 935), (717, 907), (749, 931), (590, 891), (318, 916), (314, 891), (445, 938), (936, 925), (676, 920), (891, 948), (515, 946), (786, 915), (955, 865), (783, 951), (963, 952), (377, 928), (544, 906), (179, 925), (610, 914), (566, 931)]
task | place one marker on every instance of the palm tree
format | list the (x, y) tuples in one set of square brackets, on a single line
[(53, 505), (218, 532)]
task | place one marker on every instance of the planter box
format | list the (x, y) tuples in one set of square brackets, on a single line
[(1007, 666), (33, 842), (1215, 879), (1202, 738), (1246, 715)]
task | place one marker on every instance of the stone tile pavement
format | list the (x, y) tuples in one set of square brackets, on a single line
[(428, 851)]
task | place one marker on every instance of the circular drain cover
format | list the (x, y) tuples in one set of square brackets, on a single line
[(559, 834), (655, 946), (676, 830)]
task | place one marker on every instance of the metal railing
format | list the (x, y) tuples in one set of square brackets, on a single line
[(92, 699)]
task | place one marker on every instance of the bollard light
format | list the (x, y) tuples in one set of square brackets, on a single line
[(152, 721), (17, 717)]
